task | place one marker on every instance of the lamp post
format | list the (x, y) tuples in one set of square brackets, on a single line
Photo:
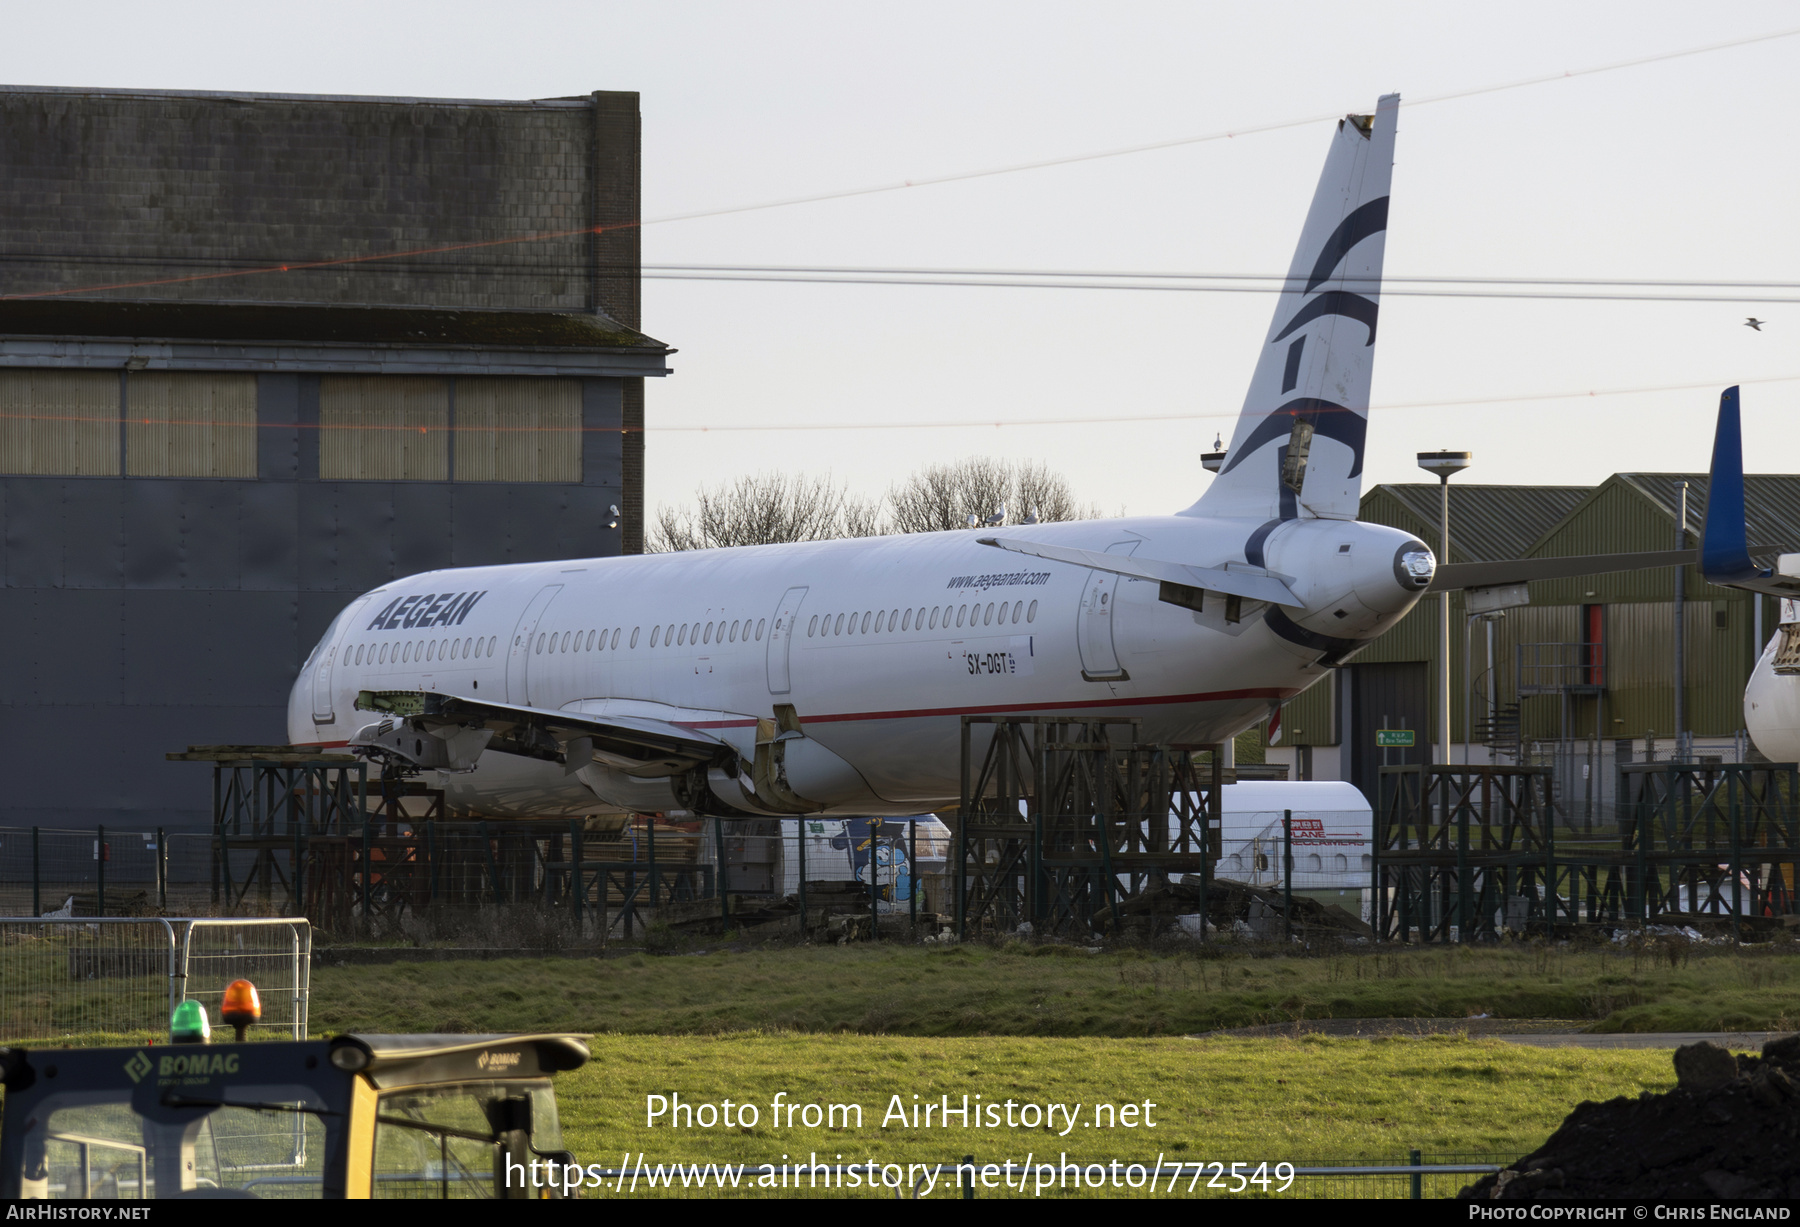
[(1681, 520), (1444, 465)]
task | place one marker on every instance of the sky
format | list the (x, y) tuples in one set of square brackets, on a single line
[(1679, 169)]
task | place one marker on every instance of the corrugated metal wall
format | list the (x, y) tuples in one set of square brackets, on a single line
[(518, 430), (384, 428), (190, 425), (59, 422)]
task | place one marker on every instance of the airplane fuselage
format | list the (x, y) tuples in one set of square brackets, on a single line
[(878, 645), (1772, 697)]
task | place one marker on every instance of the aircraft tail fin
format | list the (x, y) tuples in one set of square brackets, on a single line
[(1297, 449), (1725, 533)]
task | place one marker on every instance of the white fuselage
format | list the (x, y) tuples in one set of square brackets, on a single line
[(880, 645), (1772, 699)]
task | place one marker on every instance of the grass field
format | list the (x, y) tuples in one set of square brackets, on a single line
[(1063, 991), (1216, 1099), (1301, 1101), (1056, 1025)]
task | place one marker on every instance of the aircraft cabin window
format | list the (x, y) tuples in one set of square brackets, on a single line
[(905, 621), (987, 618), (812, 626), (431, 651), (709, 631), (615, 638), (1031, 614), (406, 655), (540, 645), (1018, 608), (865, 623), (567, 635), (880, 620), (383, 654), (934, 614), (893, 619), (590, 641), (760, 623), (634, 635), (696, 632), (668, 634), (961, 612), (838, 625), (682, 641), (655, 634)]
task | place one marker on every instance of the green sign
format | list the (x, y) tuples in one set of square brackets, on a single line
[(1393, 737)]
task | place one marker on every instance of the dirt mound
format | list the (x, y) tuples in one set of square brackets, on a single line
[(1730, 1129)]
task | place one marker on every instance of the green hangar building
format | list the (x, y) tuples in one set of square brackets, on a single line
[(1580, 678)]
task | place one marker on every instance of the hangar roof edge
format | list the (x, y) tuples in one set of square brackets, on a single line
[(273, 322), (77, 91)]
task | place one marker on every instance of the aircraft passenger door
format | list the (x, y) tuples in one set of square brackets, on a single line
[(518, 658), (1099, 659), (781, 635), (322, 669)]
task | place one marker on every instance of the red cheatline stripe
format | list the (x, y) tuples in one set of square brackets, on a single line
[(1216, 696)]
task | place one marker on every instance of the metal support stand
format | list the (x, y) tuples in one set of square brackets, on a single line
[(1062, 819)]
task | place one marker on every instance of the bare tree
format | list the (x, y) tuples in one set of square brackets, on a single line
[(761, 509), (775, 507), (943, 497)]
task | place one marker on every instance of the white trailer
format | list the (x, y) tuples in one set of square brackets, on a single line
[(1333, 833)]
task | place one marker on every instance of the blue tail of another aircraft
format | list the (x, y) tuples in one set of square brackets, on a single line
[(1725, 535)]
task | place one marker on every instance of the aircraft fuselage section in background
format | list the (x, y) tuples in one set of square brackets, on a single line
[(880, 646)]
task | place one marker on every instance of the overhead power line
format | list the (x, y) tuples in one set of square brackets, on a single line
[(304, 264), (1226, 134), (1599, 290), (1115, 419)]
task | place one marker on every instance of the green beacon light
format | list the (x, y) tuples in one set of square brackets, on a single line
[(188, 1024)]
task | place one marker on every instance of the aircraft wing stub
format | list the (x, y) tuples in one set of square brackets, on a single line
[(1250, 583), (1458, 575), (435, 730), (1461, 575)]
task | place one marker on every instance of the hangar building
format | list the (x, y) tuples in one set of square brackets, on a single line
[(1579, 679), (260, 353)]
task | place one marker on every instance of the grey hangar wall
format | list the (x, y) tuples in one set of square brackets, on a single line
[(369, 353)]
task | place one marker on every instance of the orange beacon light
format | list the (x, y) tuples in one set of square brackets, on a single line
[(240, 1007)]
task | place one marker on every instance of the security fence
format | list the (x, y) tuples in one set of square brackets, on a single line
[(65, 976), (1465, 853)]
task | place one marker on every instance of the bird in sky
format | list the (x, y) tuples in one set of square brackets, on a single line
[(1750, 321)]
